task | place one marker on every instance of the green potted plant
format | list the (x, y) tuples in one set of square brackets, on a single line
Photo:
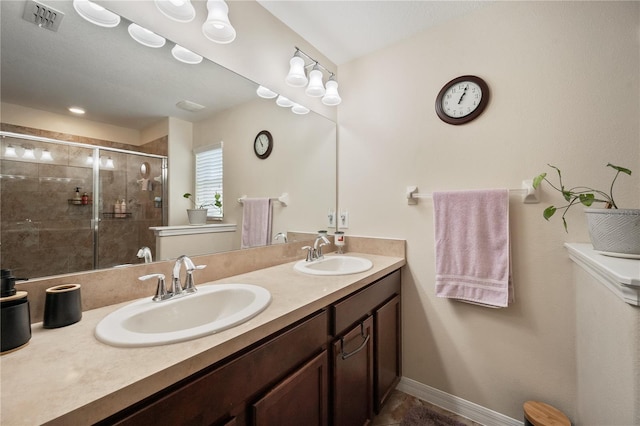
[(613, 231), (198, 214)]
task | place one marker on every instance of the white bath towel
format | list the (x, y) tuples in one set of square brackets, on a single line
[(473, 261), (256, 222)]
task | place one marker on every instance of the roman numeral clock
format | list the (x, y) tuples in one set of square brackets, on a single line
[(462, 99)]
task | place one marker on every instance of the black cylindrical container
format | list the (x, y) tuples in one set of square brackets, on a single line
[(16, 322), (62, 306)]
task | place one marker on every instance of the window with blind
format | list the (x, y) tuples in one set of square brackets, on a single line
[(209, 178)]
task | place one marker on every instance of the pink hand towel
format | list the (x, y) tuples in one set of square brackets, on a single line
[(256, 222), (472, 246)]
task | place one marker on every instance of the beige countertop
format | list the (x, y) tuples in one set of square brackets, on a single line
[(66, 376)]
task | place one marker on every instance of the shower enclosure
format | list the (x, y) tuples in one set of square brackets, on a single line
[(68, 207)]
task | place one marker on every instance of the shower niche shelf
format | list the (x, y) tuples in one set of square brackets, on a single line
[(116, 215), (75, 202)]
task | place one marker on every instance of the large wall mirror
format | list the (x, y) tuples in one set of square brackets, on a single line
[(130, 89)]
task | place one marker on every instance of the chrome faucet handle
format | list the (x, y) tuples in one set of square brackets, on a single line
[(189, 284), (161, 290), (310, 253)]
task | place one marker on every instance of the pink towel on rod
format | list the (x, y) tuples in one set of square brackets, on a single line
[(473, 259), (256, 222)]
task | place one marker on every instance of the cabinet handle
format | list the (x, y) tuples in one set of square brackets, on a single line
[(346, 355)]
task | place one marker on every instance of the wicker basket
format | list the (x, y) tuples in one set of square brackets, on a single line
[(615, 232)]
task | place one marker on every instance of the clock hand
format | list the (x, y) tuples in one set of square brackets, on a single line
[(463, 93)]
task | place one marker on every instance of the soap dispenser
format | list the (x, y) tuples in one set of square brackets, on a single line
[(77, 199), (14, 314)]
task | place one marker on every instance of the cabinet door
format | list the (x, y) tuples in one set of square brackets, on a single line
[(301, 399), (387, 350), (353, 376)]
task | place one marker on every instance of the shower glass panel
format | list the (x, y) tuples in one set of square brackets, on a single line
[(45, 230)]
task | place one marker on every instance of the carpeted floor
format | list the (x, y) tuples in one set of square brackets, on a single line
[(406, 410)]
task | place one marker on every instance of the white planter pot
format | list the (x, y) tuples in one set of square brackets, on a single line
[(615, 232), (197, 216)]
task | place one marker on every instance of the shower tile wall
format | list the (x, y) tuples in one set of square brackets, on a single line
[(42, 233)]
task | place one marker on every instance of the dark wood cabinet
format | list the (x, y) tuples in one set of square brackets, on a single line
[(387, 347), (353, 376), (335, 367), (301, 399)]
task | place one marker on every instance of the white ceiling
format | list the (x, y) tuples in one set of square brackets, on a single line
[(345, 30)]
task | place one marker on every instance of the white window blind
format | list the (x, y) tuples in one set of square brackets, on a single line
[(209, 177)]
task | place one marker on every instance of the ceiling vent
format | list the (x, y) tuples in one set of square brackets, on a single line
[(43, 16)]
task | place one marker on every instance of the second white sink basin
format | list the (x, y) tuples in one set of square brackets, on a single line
[(212, 309), (334, 265)]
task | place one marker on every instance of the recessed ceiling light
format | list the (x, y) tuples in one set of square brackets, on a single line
[(190, 106), (145, 37), (96, 14), (185, 55), (77, 110)]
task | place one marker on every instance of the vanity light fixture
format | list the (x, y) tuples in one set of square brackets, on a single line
[(96, 14), (145, 37), (89, 159), (297, 76), (284, 102), (109, 164), (185, 55), (46, 155), (315, 88), (28, 154), (299, 109), (266, 93), (331, 97), (10, 152), (178, 10), (217, 27)]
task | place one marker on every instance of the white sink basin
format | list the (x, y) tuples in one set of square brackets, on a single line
[(212, 309), (334, 265)]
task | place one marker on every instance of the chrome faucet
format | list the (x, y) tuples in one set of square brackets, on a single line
[(176, 287), (315, 252), (145, 253), (280, 235)]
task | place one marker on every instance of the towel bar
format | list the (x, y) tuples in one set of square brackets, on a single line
[(529, 194), (283, 199)]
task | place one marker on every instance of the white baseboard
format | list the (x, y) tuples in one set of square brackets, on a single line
[(455, 404)]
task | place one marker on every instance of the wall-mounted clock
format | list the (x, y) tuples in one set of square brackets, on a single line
[(462, 99), (263, 144)]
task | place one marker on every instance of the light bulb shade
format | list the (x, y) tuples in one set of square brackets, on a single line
[(315, 87), (109, 163), (96, 14), (90, 159), (29, 154), (145, 37), (296, 77), (299, 109), (217, 27), (46, 155), (10, 151), (185, 55), (178, 10), (331, 97), (266, 93), (284, 102)]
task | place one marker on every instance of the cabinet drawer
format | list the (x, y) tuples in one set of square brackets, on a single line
[(209, 397), (352, 309)]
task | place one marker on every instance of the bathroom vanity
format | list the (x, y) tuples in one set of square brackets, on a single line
[(325, 351)]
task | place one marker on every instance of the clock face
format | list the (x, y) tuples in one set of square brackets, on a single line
[(263, 144), (462, 99)]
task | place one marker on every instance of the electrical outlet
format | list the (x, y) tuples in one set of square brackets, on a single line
[(343, 220), (331, 218)]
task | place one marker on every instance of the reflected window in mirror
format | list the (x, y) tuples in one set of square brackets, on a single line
[(208, 179)]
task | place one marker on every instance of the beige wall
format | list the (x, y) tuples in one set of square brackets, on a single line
[(564, 80), (302, 163)]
